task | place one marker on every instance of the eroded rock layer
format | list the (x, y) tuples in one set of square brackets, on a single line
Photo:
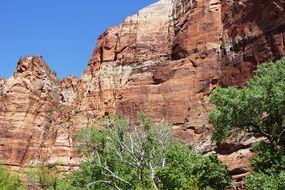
[(165, 60)]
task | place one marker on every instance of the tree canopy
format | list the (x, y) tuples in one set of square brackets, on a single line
[(142, 157), (259, 107), (268, 168)]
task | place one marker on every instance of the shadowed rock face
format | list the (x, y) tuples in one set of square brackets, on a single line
[(253, 33), (165, 60)]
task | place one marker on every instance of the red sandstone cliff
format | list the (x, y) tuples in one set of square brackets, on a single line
[(165, 60)]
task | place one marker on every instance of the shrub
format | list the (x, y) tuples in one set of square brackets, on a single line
[(9, 181)]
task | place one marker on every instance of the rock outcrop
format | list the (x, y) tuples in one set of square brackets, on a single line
[(26, 102), (36, 116), (165, 60)]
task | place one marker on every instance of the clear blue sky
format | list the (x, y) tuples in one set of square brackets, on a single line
[(63, 31)]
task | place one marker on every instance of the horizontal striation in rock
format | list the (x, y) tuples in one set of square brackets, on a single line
[(165, 60)]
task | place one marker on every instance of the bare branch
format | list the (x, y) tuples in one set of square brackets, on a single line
[(114, 175)]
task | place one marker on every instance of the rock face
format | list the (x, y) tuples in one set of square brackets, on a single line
[(250, 37), (35, 116), (26, 100), (165, 60)]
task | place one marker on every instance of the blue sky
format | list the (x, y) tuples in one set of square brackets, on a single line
[(63, 31)]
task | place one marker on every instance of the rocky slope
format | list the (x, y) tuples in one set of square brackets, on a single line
[(165, 60)]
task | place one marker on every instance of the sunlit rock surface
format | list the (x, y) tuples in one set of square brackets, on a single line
[(165, 60)]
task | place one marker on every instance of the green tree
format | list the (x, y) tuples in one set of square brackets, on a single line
[(268, 168), (122, 157), (142, 157), (9, 181), (259, 107), (186, 170)]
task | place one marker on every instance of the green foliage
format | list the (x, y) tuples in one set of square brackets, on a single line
[(66, 184), (9, 181), (186, 170), (146, 121), (268, 158), (120, 156), (268, 168), (44, 176), (262, 181), (259, 107)]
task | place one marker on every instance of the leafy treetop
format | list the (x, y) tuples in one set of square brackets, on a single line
[(259, 107), (142, 157)]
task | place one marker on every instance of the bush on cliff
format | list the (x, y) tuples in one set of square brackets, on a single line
[(143, 157)]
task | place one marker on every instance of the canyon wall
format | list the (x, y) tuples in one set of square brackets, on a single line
[(253, 32), (165, 60)]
